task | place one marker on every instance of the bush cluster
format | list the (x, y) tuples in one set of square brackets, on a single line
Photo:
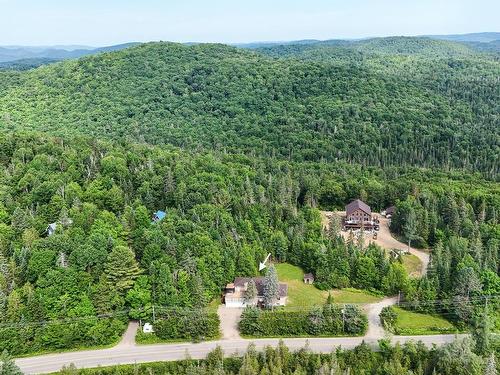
[(194, 325), (329, 320), (52, 336)]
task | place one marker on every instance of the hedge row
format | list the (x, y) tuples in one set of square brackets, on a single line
[(30, 338), (193, 325), (330, 320)]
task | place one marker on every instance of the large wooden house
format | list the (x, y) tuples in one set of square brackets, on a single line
[(359, 215)]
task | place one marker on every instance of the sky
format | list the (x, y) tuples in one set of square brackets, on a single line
[(108, 22)]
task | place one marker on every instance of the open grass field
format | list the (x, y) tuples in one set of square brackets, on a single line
[(412, 265), (412, 323), (302, 295)]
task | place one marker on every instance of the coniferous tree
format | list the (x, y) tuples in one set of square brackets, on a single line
[(410, 227), (491, 367), (7, 365), (121, 269), (271, 287), (250, 293)]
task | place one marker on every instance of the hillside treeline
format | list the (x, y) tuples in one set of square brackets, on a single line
[(378, 106)]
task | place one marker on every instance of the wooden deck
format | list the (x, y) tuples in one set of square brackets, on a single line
[(370, 225)]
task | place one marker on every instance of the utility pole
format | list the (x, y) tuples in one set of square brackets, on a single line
[(399, 296), (154, 316), (343, 320)]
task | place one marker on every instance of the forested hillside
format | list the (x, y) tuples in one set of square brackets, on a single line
[(107, 261), (241, 149), (399, 101)]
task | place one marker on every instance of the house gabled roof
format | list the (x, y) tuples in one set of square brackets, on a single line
[(309, 276), (259, 284), (357, 205), (52, 227), (390, 210)]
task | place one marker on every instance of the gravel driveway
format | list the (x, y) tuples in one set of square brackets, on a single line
[(229, 318)]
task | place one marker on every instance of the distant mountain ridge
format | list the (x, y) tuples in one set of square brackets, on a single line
[(389, 101), (482, 42), (485, 37), (26, 57), (13, 53)]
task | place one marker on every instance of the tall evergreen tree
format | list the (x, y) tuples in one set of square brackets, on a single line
[(251, 293), (491, 366), (121, 268), (271, 287)]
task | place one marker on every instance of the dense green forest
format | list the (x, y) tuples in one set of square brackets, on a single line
[(107, 261), (386, 108), (242, 149)]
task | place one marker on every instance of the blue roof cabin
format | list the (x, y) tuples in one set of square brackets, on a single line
[(159, 216)]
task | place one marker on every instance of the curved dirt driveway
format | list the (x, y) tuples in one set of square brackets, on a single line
[(375, 329), (387, 241)]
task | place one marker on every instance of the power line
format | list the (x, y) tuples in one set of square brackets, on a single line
[(439, 306)]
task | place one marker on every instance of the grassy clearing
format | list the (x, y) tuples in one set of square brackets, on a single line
[(351, 295), (302, 295), (412, 323), (142, 338), (412, 265)]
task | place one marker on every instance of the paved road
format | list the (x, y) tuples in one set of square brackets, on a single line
[(127, 354)]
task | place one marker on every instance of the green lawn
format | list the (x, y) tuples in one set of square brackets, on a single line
[(412, 323), (351, 295), (302, 295), (412, 265)]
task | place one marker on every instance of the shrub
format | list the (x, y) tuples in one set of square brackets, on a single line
[(60, 335), (388, 317), (182, 324), (330, 320)]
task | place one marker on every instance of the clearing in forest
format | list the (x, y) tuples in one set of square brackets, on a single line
[(386, 241), (301, 295)]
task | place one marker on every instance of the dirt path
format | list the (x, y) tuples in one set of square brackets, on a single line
[(387, 241), (229, 318), (384, 239), (375, 327), (128, 338)]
